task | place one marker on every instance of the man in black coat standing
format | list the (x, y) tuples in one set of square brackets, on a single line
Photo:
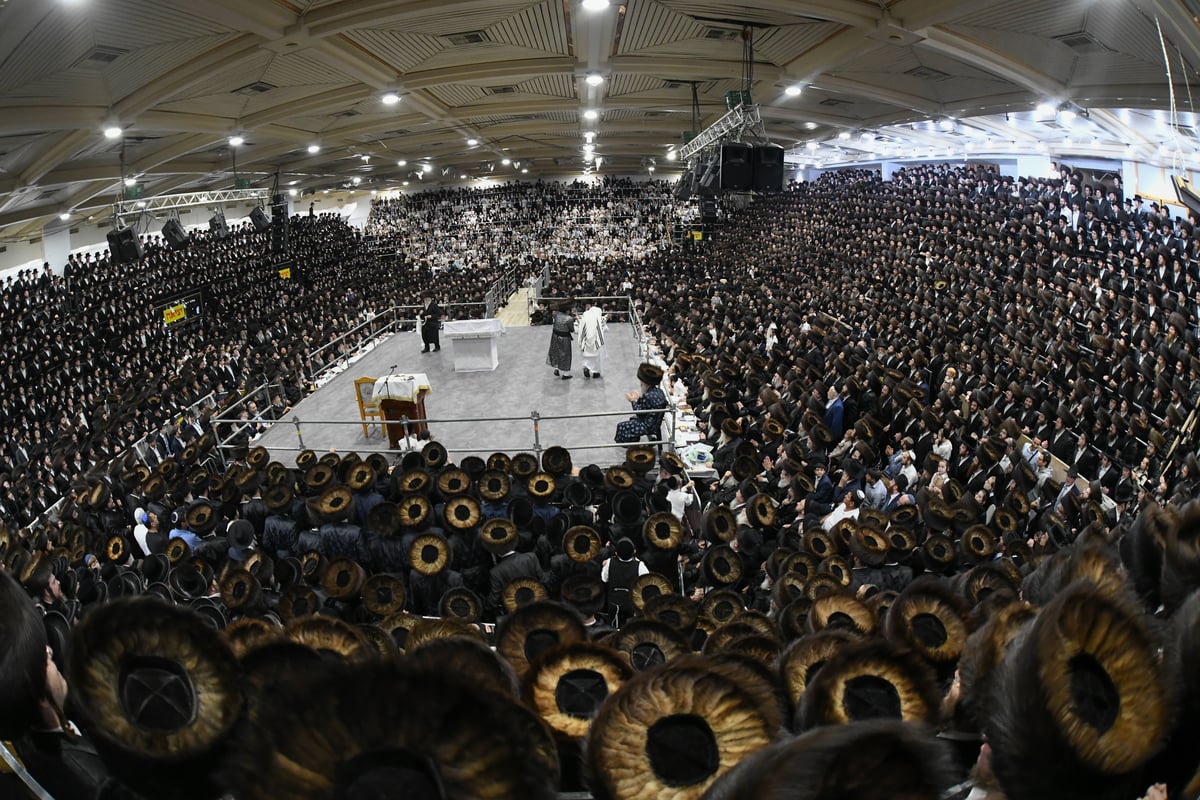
[(431, 323)]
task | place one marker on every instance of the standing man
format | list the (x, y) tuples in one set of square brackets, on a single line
[(559, 354), (591, 329), (431, 322)]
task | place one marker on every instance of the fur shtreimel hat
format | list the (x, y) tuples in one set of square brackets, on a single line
[(1082, 702), (529, 631), (568, 684), (673, 730), (158, 690), (879, 760), (330, 736)]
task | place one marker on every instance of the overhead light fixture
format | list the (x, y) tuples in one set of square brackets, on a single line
[(589, 136), (672, 155), (811, 145), (810, 126), (793, 90), (462, 177), (131, 181), (595, 5), (390, 99), (595, 79), (1067, 116), (141, 204), (356, 180), (293, 183), (591, 114), (404, 183), (366, 158), (402, 163), (524, 170), (472, 142), (506, 161), (844, 135), (314, 148), (64, 216), (236, 141), (293, 192), (112, 132), (946, 124)]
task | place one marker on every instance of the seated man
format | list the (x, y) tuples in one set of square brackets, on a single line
[(651, 397)]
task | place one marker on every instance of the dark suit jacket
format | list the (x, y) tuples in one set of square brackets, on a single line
[(509, 568)]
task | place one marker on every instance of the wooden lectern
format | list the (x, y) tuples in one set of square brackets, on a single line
[(402, 397)]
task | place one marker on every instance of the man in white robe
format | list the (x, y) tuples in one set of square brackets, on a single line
[(590, 330)]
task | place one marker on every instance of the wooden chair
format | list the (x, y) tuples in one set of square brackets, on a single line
[(368, 407)]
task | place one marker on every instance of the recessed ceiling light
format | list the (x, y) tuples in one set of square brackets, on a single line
[(402, 163), (293, 192), (595, 79), (314, 148), (810, 126), (405, 183), (390, 99), (462, 177), (64, 216), (293, 183), (112, 132), (595, 5), (506, 161), (591, 114), (236, 141), (672, 155), (472, 142), (792, 91), (356, 180), (524, 170), (844, 135)]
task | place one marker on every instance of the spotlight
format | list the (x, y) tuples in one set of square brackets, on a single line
[(792, 91), (595, 79), (595, 5), (844, 135), (402, 163), (356, 180), (462, 177), (524, 170), (591, 114), (589, 137), (672, 155), (293, 192), (314, 148), (64, 216), (131, 181), (472, 142), (506, 161), (1066, 116), (112, 132), (390, 99), (236, 141)]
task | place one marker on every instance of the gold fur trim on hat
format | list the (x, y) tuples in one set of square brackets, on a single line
[(590, 669)]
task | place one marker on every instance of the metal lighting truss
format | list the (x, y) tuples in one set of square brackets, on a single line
[(731, 127), (168, 201)]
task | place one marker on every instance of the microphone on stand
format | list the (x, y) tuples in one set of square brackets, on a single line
[(392, 369)]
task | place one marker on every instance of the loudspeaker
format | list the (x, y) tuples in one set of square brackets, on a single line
[(217, 225), (710, 182), (708, 210), (258, 218), (737, 170), (124, 246), (683, 189), (279, 225), (768, 168), (176, 236)]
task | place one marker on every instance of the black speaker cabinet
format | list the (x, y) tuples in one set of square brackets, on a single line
[(259, 219), (125, 246), (217, 226), (768, 168), (683, 189), (176, 236), (710, 180), (737, 170)]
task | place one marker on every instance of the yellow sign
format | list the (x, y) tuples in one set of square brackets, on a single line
[(698, 235), (285, 273), (174, 313)]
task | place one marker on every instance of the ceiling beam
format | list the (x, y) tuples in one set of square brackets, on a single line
[(59, 148), (880, 94), (347, 15)]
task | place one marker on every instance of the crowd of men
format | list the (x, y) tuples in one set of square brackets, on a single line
[(949, 548)]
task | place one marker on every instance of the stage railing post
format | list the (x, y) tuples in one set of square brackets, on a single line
[(536, 417), (299, 435)]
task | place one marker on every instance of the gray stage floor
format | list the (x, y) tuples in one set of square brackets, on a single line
[(522, 383)]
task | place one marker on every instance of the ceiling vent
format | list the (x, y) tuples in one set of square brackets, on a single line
[(104, 54), (499, 90), (831, 102), (927, 73), (1186, 130), (467, 37), (1083, 42), (721, 34), (258, 87)]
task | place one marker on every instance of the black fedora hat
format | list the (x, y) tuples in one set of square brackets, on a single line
[(626, 508)]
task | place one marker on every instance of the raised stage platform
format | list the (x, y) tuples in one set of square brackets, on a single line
[(520, 384)]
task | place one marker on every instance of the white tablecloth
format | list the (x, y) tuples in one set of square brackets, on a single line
[(473, 327), (403, 386)]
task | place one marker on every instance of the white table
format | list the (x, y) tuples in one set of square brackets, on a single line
[(474, 343)]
